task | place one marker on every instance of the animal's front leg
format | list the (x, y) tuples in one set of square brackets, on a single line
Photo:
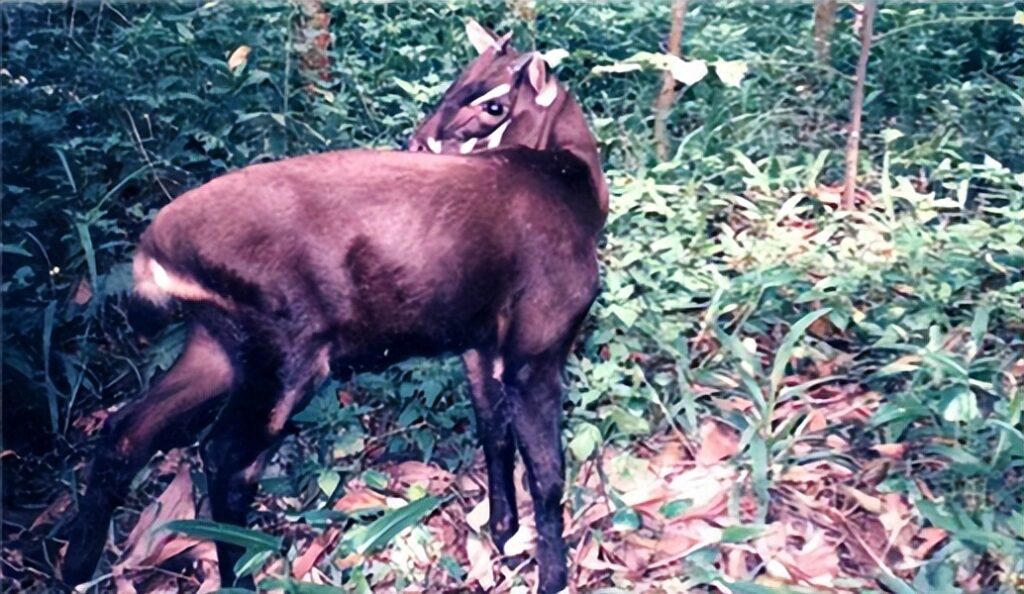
[(494, 429)]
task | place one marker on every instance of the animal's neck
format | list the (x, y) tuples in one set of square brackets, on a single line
[(562, 126), (569, 131)]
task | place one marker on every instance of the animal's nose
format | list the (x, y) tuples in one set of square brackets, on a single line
[(416, 146)]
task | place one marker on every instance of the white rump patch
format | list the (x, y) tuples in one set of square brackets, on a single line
[(494, 139), (154, 283), (498, 91)]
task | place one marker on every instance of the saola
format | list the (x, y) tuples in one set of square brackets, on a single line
[(356, 259)]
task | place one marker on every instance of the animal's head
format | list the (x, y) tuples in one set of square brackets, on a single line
[(503, 98)]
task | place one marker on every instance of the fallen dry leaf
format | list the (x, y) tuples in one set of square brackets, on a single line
[(891, 450), (930, 537), (481, 566), (312, 552), (428, 476), (54, 511), (360, 498), (717, 442), (148, 544), (477, 518), (522, 541), (816, 421)]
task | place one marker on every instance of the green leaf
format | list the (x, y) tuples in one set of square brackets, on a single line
[(742, 533), (938, 516), (292, 586), (676, 508), (586, 437), (749, 368), (90, 255), (1012, 433), (628, 423), (785, 351), (382, 530), (891, 135), (627, 315), (51, 390), (251, 561), (9, 248), (960, 405), (979, 326), (894, 583), (759, 474), (375, 479), (328, 482), (753, 588), (626, 519), (226, 533)]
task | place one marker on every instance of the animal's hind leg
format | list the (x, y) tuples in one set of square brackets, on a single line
[(247, 432), (494, 428), (535, 355), (535, 390), (163, 418)]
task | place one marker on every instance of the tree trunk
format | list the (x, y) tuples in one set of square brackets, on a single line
[(314, 37), (857, 104), (667, 95), (824, 22)]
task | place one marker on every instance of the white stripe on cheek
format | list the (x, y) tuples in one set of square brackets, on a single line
[(498, 91), (494, 140), (467, 146), (434, 145)]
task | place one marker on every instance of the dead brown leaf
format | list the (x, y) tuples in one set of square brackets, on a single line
[(891, 450), (359, 498), (83, 293), (717, 442), (312, 552), (54, 511), (428, 476)]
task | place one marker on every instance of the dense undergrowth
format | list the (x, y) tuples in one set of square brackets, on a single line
[(840, 391)]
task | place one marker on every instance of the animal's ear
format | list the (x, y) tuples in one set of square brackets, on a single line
[(483, 38), (543, 85)]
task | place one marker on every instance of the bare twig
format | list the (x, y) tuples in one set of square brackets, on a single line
[(145, 155), (857, 104), (667, 94)]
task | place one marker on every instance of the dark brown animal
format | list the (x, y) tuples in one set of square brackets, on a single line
[(357, 259)]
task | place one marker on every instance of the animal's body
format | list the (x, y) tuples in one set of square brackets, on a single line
[(357, 259)]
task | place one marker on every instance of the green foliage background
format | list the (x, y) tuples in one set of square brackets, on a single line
[(110, 110)]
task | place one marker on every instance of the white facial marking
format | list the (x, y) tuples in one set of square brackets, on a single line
[(498, 91), (494, 140), (434, 145), (547, 95), (467, 146)]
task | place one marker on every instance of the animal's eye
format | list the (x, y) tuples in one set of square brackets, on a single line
[(494, 108)]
